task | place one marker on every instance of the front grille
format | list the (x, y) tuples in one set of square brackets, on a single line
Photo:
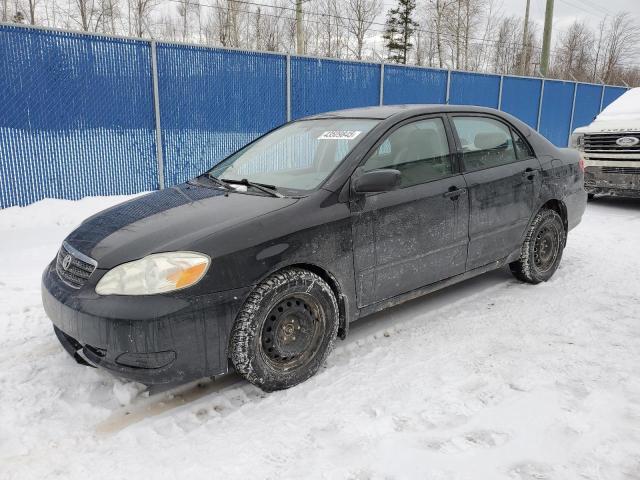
[(606, 142), (78, 269), (622, 170)]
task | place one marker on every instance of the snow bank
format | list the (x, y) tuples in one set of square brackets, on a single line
[(490, 379)]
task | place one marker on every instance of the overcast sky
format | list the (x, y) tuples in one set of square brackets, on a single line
[(566, 11)]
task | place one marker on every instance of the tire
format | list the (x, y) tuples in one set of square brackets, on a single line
[(285, 330), (542, 248)]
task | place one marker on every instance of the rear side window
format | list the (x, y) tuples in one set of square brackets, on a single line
[(523, 150), (419, 150), (485, 142)]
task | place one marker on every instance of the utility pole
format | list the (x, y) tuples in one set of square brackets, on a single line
[(525, 39), (299, 29), (546, 38)]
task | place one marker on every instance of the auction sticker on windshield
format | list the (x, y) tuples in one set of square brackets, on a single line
[(339, 135)]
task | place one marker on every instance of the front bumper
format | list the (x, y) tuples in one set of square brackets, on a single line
[(617, 181), (153, 339)]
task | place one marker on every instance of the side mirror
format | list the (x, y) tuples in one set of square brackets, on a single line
[(377, 181)]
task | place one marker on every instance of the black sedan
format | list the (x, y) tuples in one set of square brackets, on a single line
[(262, 262)]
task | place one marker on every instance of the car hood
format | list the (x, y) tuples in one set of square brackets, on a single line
[(614, 125), (166, 220)]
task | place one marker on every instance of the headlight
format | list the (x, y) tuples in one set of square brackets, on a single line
[(157, 273), (576, 141)]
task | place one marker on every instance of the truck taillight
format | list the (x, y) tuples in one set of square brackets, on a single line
[(581, 163)]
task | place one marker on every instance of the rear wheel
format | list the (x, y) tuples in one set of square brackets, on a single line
[(285, 330), (542, 248)]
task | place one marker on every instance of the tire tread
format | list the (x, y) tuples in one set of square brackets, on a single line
[(244, 328)]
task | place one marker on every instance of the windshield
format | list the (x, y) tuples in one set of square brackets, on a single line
[(296, 158)]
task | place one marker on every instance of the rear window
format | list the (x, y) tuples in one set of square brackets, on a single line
[(485, 142)]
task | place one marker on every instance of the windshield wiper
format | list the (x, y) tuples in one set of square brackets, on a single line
[(220, 183), (270, 189)]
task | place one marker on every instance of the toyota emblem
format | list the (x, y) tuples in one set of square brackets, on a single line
[(66, 262)]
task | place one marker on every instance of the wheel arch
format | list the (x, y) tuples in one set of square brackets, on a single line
[(560, 208), (332, 281)]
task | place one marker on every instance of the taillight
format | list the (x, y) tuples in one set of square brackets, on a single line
[(581, 163)]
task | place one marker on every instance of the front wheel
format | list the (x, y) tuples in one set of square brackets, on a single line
[(285, 330), (542, 248)]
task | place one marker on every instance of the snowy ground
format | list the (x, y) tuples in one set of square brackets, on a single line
[(490, 379)]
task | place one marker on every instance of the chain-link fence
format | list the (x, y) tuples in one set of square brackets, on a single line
[(84, 114)]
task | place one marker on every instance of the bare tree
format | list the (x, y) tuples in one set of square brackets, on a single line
[(440, 12), (573, 52), (85, 11), (505, 57), (329, 27), (186, 9), (269, 28), (622, 37), (228, 22), (602, 26), (31, 6), (361, 15), (140, 12)]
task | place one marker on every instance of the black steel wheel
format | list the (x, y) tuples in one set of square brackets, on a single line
[(546, 247), (293, 332), (542, 248), (285, 330)]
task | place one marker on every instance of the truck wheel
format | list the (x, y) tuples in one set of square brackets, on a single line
[(542, 248), (285, 330)]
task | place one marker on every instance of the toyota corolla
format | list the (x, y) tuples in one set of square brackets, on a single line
[(260, 263)]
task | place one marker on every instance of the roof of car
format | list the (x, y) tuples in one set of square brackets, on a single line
[(387, 111)]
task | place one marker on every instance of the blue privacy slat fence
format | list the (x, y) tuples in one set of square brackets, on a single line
[(320, 85), (414, 85), (587, 104), (79, 115), (76, 117), (214, 102), (555, 114), (521, 98), (474, 89)]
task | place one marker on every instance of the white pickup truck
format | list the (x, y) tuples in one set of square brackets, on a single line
[(610, 146)]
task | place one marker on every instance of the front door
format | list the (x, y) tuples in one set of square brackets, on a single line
[(503, 178), (418, 234)]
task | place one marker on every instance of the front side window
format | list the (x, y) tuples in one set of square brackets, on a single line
[(296, 158), (419, 150), (485, 142)]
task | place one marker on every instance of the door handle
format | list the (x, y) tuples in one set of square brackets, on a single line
[(530, 173), (454, 193)]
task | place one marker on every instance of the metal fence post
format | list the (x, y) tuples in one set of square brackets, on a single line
[(446, 100), (500, 93), (573, 108), (381, 102), (601, 98), (540, 105), (156, 110), (288, 87)]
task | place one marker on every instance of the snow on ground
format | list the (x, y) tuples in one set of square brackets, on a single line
[(489, 379)]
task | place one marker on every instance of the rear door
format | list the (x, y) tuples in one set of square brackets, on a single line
[(417, 234), (503, 178)]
